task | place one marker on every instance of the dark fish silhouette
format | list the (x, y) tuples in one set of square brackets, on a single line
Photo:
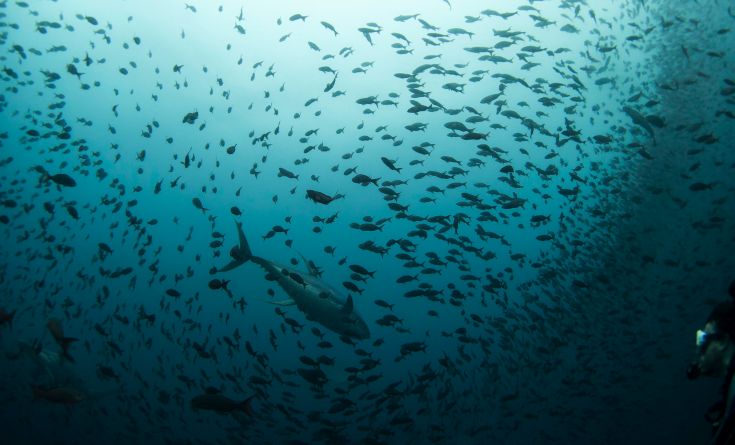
[(321, 198)]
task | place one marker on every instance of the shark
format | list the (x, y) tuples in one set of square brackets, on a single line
[(319, 301)]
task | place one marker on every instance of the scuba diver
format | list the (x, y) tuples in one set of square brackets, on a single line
[(715, 352)]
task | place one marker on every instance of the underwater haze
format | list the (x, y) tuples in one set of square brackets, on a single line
[(325, 222)]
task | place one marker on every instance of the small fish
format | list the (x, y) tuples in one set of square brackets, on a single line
[(329, 27), (60, 395), (6, 318), (364, 180), (190, 118), (213, 401), (288, 174), (62, 179), (72, 69), (321, 198), (361, 270), (198, 204), (391, 164)]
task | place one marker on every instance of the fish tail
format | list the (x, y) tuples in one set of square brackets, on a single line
[(245, 253), (731, 290)]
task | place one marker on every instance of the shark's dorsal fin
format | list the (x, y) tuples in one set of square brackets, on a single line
[(309, 267), (349, 305)]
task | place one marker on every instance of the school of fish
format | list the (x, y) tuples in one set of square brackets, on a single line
[(307, 222)]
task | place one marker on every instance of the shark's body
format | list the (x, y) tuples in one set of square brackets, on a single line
[(316, 299)]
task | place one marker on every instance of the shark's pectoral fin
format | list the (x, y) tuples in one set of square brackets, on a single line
[(348, 307), (231, 265), (286, 302)]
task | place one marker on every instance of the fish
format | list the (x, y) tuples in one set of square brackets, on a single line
[(317, 300), (61, 395), (330, 85), (198, 204), (640, 120), (282, 172), (6, 318), (213, 401), (330, 27), (364, 180), (72, 69), (321, 198), (390, 163), (190, 118)]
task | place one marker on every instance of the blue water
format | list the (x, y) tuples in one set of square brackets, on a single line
[(572, 327)]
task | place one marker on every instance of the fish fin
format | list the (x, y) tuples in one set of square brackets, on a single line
[(306, 263), (245, 252), (349, 306), (231, 265), (312, 272), (286, 302)]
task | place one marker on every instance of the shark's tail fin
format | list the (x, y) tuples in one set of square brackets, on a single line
[(244, 249), (240, 254)]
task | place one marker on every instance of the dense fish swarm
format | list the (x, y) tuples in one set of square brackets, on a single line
[(476, 225)]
